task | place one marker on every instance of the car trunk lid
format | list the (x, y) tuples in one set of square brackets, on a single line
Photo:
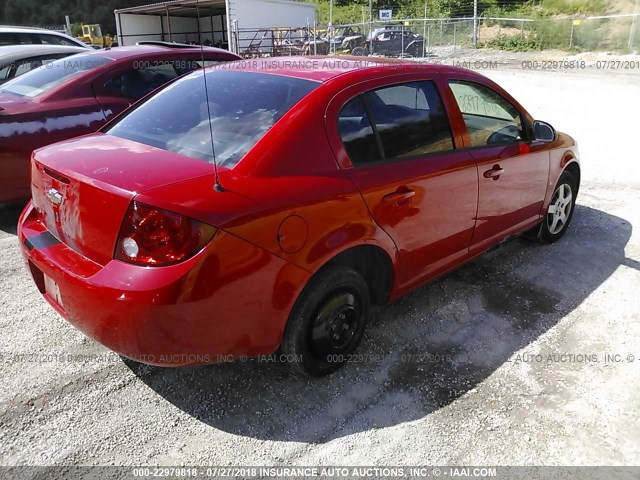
[(83, 188)]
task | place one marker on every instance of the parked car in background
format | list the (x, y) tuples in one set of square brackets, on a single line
[(346, 40), (336, 188), (36, 36), (393, 42), (78, 95), (18, 60)]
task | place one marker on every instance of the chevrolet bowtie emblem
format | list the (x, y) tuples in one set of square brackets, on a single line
[(54, 196)]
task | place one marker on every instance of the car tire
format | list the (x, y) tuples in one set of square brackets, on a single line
[(327, 322), (560, 211), (360, 52)]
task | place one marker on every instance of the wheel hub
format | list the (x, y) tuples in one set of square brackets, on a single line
[(560, 209), (335, 325)]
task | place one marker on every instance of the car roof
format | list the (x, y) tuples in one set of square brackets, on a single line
[(15, 52), (121, 53), (17, 28), (13, 29), (324, 68), (41, 31)]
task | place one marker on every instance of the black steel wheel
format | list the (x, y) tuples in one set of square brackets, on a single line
[(327, 322)]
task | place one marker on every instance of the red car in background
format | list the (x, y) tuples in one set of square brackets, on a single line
[(340, 184), (78, 95)]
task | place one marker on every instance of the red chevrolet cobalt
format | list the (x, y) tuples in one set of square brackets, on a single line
[(271, 213)]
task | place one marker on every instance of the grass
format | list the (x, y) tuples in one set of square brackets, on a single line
[(514, 43), (552, 28)]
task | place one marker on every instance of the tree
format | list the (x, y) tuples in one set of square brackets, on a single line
[(52, 12)]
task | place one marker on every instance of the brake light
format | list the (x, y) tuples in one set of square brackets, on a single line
[(154, 237)]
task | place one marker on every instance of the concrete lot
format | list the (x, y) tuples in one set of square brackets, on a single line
[(502, 362)]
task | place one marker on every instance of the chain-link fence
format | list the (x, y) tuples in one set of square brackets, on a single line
[(419, 37), (602, 33)]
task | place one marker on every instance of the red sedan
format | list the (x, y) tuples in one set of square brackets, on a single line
[(78, 95), (340, 184)]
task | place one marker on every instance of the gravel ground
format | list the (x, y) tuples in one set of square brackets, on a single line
[(503, 362)]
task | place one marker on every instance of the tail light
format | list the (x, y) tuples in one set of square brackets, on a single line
[(154, 237)]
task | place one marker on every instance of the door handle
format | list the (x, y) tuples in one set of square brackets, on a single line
[(494, 173), (398, 197)]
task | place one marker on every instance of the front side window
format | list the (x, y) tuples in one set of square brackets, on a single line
[(52, 75), (409, 122), (490, 119), (242, 107), (5, 70)]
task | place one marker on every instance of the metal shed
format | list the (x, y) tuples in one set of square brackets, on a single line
[(208, 21)]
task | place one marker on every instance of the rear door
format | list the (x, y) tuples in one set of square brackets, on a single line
[(512, 170), (400, 153)]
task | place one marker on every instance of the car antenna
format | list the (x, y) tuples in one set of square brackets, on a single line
[(217, 186)]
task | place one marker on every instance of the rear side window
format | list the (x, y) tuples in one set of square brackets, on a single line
[(56, 40), (17, 39), (357, 133), (184, 65), (8, 39), (404, 95), (408, 121), (138, 82), (242, 107)]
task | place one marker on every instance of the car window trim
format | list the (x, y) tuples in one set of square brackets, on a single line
[(383, 158), (374, 127)]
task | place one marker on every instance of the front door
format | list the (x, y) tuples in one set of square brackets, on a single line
[(512, 171)]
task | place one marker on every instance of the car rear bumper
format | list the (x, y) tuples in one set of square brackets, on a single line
[(229, 301)]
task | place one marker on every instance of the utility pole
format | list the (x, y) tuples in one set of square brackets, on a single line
[(632, 32), (330, 13), (424, 31), (370, 25), (475, 23)]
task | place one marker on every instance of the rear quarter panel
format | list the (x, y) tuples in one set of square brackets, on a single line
[(287, 196)]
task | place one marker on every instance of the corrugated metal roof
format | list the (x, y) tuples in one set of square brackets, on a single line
[(160, 7)]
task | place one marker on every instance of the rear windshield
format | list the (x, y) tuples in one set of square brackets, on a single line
[(242, 105), (48, 77)]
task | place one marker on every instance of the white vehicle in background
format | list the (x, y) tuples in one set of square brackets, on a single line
[(20, 59), (36, 36)]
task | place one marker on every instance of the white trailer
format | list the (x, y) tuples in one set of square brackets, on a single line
[(209, 21)]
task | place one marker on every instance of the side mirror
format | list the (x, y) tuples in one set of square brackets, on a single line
[(543, 132)]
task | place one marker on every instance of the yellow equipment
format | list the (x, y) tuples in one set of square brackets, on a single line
[(92, 35)]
